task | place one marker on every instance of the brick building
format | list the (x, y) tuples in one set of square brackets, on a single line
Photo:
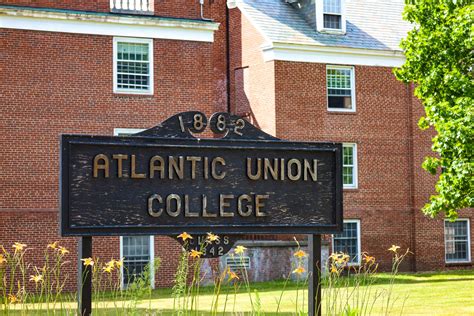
[(300, 70)]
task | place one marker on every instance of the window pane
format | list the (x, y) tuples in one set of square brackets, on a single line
[(348, 165), (339, 87), (332, 6), (133, 67), (347, 241), (456, 241), (332, 21), (136, 253)]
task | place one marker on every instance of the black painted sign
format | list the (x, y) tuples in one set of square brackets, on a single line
[(166, 180)]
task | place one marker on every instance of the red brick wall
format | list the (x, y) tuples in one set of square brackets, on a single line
[(189, 9)]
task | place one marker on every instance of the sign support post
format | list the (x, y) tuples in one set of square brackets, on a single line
[(314, 270), (84, 282)]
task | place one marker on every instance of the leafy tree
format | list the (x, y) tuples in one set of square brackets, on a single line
[(440, 62)]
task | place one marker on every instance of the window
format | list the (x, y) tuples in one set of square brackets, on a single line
[(340, 88), (235, 263), (349, 166), (332, 14), (348, 241), (133, 66), (138, 252), (457, 241)]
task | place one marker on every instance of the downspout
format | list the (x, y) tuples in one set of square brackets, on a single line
[(201, 2), (227, 58)]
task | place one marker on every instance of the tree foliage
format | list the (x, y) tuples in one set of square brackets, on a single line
[(439, 61)]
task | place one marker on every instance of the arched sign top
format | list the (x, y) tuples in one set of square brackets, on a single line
[(192, 123)]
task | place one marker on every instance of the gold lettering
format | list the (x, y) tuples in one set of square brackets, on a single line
[(120, 159), (206, 168), (176, 164), (187, 212), (101, 166), (193, 165), (223, 204), (177, 198), (214, 173), (267, 167), (152, 211), (160, 167), (204, 208), (282, 169), (313, 172), (248, 207), (136, 175), (297, 163), (259, 204), (258, 174)]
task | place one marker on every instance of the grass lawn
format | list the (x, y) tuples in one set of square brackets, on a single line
[(446, 293)]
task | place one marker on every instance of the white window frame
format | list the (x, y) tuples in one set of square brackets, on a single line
[(148, 41), (468, 223), (353, 95), (320, 18), (359, 252), (152, 260), (355, 172)]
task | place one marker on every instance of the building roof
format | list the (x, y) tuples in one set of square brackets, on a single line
[(371, 24)]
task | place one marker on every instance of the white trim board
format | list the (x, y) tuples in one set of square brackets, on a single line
[(332, 55), (86, 23)]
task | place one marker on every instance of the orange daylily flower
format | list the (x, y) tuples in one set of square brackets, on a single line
[(63, 251), (88, 262), (195, 254), (211, 237), (119, 263), (36, 278), (18, 246), (299, 270), (394, 248), (232, 275), (53, 245), (185, 236), (300, 254), (2, 260), (240, 249), (13, 299)]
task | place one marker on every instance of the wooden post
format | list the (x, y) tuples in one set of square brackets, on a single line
[(84, 282), (314, 270)]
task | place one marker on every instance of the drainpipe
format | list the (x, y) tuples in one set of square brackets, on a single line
[(201, 2), (227, 53)]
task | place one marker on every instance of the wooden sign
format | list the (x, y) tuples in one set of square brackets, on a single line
[(167, 180)]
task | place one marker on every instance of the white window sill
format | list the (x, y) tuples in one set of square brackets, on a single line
[(458, 262), (350, 188), (135, 92), (341, 110), (332, 31)]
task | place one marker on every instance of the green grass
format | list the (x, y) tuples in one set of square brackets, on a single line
[(443, 293)]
